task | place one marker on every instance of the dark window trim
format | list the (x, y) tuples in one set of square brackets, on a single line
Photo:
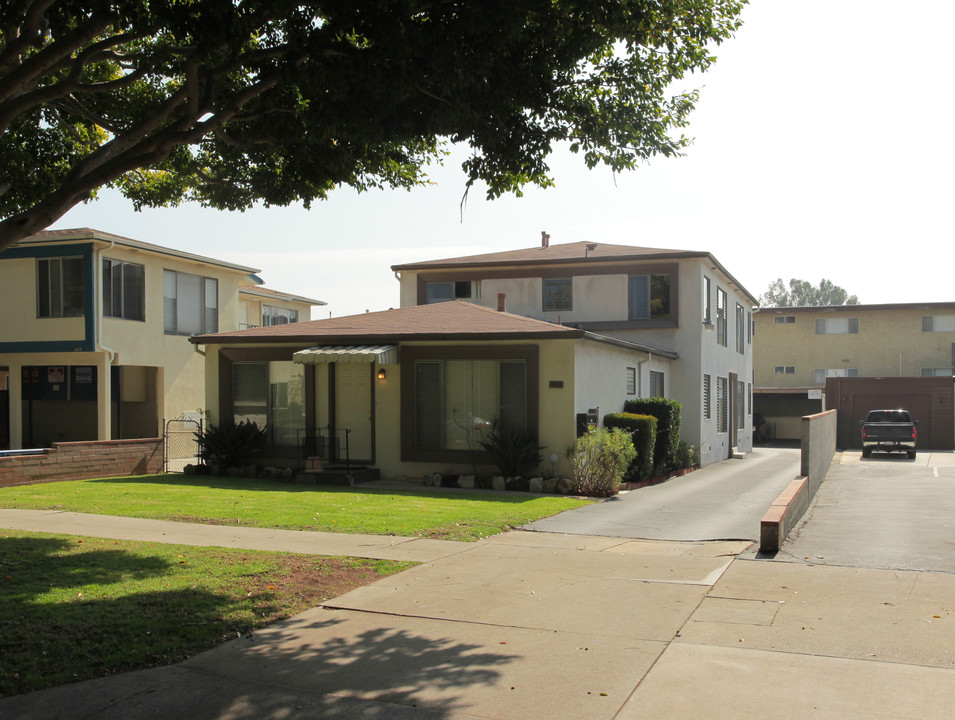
[(410, 355)]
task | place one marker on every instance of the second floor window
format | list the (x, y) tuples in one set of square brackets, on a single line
[(707, 302), (721, 313), (61, 287), (190, 304), (784, 370), (557, 295), (649, 297), (740, 322), (444, 291), (837, 326), (278, 316), (124, 290), (819, 375), (785, 319), (938, 323)]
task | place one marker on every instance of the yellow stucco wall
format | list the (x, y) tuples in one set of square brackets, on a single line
[(890, 343)]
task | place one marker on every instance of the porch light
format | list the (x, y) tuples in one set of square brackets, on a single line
[(381, 373)]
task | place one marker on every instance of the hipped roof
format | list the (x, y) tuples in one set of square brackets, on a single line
[(457, 321)]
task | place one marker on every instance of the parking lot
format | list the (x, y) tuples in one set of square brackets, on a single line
[(881, 512)]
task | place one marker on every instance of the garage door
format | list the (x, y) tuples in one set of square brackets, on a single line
[(919, 407)]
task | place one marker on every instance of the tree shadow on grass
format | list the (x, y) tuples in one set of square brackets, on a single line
[(323, 663), (68, 615)]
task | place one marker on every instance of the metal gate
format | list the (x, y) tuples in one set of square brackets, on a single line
[(180, 444)]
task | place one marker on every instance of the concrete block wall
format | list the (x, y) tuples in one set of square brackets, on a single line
[(80, 460), (817, 450)]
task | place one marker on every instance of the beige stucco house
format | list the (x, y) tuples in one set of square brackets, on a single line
[(94, 334), (541, 338), (799, 348)]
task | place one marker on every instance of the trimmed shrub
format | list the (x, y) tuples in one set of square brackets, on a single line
[(600, 458), (230, 444), (667, 413), (687, 456), (513, 452), (643, 432)]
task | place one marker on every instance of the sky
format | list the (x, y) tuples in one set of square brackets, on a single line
[(823, 148)]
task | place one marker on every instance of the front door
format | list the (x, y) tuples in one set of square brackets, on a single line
[(353, 410)]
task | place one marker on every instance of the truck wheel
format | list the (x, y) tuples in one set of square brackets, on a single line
[(866, 452), (911, 454)]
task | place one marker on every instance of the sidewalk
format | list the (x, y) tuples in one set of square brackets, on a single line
[(537, 625)]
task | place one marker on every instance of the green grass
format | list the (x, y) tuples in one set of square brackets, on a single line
[(74, 608), (233, 501)]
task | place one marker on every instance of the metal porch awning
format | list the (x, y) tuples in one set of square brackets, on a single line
[(382, 354)]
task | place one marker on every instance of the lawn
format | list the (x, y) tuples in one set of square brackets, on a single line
[(235, 501), (75, 608)]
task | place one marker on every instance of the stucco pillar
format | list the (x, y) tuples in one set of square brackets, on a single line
[(16, 405), (104, 419)]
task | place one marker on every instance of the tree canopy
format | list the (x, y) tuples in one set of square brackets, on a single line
[(231, 102), (801, 293)]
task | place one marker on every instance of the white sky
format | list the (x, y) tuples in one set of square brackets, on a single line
[(823, 148)]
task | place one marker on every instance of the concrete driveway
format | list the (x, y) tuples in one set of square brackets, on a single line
[(884, 512), (722, 501)]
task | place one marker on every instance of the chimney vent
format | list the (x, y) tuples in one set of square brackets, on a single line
[(501, 302), (545, 239)]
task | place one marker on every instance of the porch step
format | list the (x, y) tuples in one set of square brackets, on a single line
[(337, 476), (735, 454)]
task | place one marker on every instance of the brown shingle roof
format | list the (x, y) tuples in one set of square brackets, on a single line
[(554, 254), (457, 320)]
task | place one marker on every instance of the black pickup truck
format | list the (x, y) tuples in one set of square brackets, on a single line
[(888, 430)]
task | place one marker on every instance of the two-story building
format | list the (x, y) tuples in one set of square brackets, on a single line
[(801, 350), (94, 332), (541, 337)]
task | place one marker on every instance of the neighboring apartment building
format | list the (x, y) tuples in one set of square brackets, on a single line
[(94, 334), (679, 302), (798, 349)]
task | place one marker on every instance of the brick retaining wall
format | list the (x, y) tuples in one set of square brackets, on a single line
[(79, 460)]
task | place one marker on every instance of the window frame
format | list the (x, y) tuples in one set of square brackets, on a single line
[(852, 326), (722, 316), (63, 295), (930, 321), (205, 283), (722, 404), (784, 319), (551, 287), (784, 370), (289, 321), (740, 319), (456, 291), (411, 355), (657, 378), (631, 381), (110, 266), (707, 301), (707, 396)]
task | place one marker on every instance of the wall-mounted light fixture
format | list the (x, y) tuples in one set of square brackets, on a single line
[(381, 373)]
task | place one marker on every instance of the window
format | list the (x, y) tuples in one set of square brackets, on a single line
[(649, 297), (558, 294), (707, 392), (656, 384), (740, 320), (707, 302), (190, 304), (278, 316), (124, 290), (445, 291), (820, 375), (937, 372), (722, 404), (837, 326), (785, 319), (938, 323), (456, 400), (785, 370), (271, 394), (749, 328), (721, 310), (61, 286), (631, 381)]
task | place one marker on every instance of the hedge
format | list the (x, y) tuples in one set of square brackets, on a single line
[(667, 413), (643, 430)]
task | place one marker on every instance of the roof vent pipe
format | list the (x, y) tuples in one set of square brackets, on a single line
[(545, 239), (502, 302)]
